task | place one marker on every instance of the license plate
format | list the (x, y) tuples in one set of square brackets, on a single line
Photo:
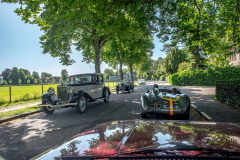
[(155, 108)]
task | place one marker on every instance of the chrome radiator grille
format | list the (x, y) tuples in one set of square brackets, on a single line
[(62, 93)]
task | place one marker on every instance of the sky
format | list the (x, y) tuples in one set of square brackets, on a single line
[(20, 47)]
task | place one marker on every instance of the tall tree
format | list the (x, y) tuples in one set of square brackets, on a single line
[(14, 76), (64, 75), (5, 73), (173, 59), (35, 75), (21, 76), (205, 23), (89, 23), (26, 72)]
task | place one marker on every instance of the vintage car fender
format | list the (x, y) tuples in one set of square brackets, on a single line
[(180, 103), (46, 98), (75, 97)]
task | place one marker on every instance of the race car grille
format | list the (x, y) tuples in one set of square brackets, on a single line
[(62, 93)]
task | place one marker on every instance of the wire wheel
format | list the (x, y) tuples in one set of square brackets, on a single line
[(82, 105)]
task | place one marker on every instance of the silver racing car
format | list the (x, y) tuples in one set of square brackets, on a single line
[(163, 102)]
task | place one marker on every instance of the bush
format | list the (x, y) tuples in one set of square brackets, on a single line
[(162, 78), (167, 79), (206, 77), (2, 100)]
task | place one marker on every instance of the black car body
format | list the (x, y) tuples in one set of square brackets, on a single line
[(124, 86)]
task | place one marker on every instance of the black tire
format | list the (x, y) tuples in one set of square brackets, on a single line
[(117, 90), (128, 89), (185, 117), (82, 105), (106, 96), (47, 109), (143, 115)]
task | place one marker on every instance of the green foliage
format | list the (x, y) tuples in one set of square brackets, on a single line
[(162, 78), (64, 74), (183, 66), (6, 73), (10, 81), (214, 25), (206, 77), (35, 81), (13, 76), (19, 81), (173, 59), (35, 75), (4, 82), (28, 81), (25, 71), (53, 81)]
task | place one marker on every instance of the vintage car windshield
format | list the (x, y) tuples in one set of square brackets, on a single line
[(81, 79)]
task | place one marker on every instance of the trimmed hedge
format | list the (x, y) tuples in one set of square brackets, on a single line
[(206, 77)]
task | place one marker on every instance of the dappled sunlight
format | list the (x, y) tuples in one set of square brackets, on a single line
[(135, 112)]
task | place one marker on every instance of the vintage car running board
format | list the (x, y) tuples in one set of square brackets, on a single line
[(99, 99), (60, 105)]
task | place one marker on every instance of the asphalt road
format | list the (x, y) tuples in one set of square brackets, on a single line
[(26, 138)]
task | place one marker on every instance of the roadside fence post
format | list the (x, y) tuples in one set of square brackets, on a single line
[(10, 93)]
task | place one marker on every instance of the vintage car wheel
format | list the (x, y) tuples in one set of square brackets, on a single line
[(143, 115), (117, 90), (47, 109), (106, 97), (128, 89), (82, 105)]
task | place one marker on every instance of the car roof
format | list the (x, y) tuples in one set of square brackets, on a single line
[(89, 74)]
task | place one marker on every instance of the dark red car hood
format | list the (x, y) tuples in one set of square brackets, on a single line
[(122, 136)]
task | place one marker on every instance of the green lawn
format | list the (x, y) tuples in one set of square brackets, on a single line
[(23, 93)]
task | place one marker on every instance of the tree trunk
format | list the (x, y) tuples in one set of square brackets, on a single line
[(121, 72), (97, 55), (131, 72)]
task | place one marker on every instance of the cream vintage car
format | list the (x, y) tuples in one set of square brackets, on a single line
[(81, 89)]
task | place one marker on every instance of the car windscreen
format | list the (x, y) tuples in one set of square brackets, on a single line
[(80, 79)]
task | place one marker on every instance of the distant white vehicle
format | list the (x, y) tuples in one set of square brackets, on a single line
[(142, 82)]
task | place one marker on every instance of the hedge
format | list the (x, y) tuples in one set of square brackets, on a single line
[(206, 77)]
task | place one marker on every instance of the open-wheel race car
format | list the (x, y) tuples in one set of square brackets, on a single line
[(83, 88), (165, 103), (124, 86)]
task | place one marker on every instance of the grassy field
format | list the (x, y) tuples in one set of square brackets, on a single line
[(23, 93), (31, 92)]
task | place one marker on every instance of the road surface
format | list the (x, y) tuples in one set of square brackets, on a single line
[(26, 138)]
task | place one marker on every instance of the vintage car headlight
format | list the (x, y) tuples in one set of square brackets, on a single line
[(70, 89), (51, 90)]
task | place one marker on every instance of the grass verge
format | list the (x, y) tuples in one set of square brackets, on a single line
[(4, 115), (21, 102)]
